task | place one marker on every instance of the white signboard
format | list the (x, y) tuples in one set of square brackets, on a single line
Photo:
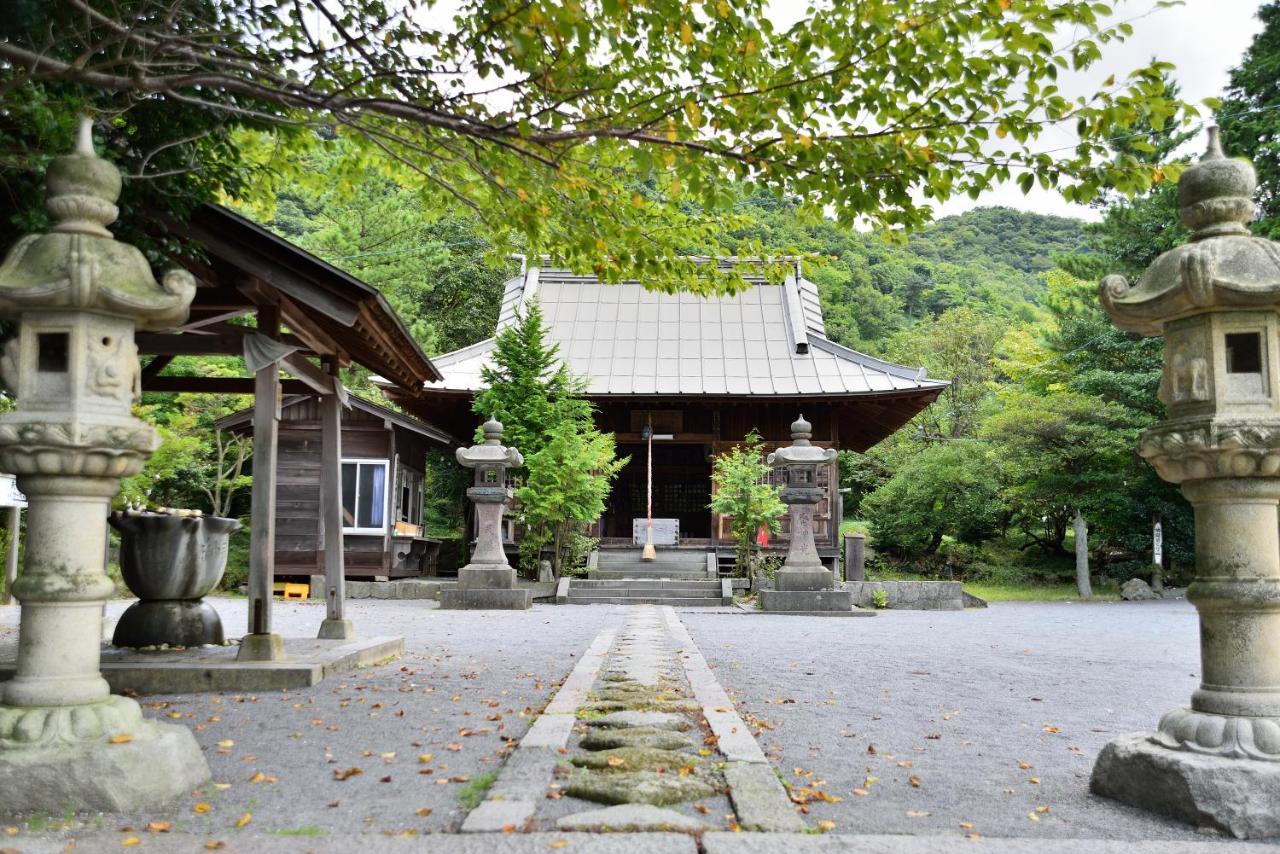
[(9, 494), (1157, 545), (666, 532)]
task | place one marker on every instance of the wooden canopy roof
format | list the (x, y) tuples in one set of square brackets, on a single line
[(328, 312)]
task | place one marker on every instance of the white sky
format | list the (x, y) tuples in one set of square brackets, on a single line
[(1203, 39)]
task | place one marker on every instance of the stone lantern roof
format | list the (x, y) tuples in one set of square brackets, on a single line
[(78, 264), (491, 451), (801, 451), (1221, 266)]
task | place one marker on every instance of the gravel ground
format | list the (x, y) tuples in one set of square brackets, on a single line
[(967, 698), (484, 673), (997, 714)]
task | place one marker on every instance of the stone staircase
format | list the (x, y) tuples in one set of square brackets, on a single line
[(681, 578)]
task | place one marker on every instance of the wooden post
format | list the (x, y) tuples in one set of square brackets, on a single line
[(335, 625), (11, 557), (260, 644)]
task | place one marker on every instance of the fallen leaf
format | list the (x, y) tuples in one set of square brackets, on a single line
[(1024, 765), (826, 825), (914, 781), (862, 793), (702, 808), (122, 738), (967, 825), (347, 774), (918, 813), (454, 746), (244, 819), (1033, 816), (130, 841), (422, 812), (558, 843), (1035, 781), (614, 761), (201, 808), (159, 826), (258, 777), (226, 742), (215, 845), (425, 758)]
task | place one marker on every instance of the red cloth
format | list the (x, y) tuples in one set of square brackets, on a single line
[(762, 536)]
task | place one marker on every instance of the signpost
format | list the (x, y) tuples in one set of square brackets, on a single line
[(1157, 556)]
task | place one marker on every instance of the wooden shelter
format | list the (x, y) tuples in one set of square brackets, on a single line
[(310, 319), (700, 373), (383, 472)]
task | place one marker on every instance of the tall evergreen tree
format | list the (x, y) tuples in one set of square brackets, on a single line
[(1250, 116)]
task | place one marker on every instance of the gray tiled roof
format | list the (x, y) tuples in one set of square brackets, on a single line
[(626, 340)]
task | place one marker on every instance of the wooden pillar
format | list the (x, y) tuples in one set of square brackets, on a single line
[(11, 557), (261, 644), (335, 625)]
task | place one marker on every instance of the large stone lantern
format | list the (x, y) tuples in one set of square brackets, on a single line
[(803, 585), (77, 296), (488, 581), (1215, 301)]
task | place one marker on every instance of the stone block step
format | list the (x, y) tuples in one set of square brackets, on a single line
[(697, 601), (610, 574), (689, 558), (645, 584)]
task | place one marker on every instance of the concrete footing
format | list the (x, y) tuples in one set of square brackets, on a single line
[(267, 647), (486, 599), (307, 662), (833, 603), (159, 763), (1236, 796), (336, 630)]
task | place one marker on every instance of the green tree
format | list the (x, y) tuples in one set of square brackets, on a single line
[(741, 489), (1250, 116), (569, 464), (569, 480), (946, 489), (542, 118), (1059, 455)]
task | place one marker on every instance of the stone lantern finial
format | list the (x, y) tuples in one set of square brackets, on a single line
[(1215, 195), (801, 431), (492, 430), (82, 188)]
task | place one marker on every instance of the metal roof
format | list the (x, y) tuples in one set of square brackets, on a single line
[(626, 340)]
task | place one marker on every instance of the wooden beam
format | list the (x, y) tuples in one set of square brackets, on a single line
[(317, 340), (313, 376), (219, 314), (154, 367), (188, 344), (219, 385)]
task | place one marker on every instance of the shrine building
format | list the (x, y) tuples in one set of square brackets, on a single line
[(701, 372)]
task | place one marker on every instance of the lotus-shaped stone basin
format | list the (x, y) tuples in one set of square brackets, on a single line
[(170, 563)]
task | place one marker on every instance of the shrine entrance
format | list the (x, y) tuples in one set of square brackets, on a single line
[(681, 490)]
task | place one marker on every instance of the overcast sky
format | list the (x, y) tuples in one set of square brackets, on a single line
[(1204, 39)]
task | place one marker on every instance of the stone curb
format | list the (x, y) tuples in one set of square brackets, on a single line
[(523, 779)]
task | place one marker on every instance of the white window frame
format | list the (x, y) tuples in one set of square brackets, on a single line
[(386, 485)]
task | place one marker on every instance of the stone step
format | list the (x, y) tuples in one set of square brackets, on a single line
[(690, 558), (645, 584), (698, 601), (674, 575)]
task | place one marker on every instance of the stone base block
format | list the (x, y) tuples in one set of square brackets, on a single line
[(487, 577), (825, 602), (161, 762), (336, 630), (1237, 796), (153, 622), (261, 648), (479, 599), (807, 580)]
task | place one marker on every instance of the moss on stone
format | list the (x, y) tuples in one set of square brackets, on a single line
[(638, 787), (659, 739), (638, 759)]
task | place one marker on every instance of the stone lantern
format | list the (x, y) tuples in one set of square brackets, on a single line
[(488, 581), (803, 585), (1215, 301), (77, 295)]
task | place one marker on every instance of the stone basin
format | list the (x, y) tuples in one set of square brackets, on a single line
[(170, 563)]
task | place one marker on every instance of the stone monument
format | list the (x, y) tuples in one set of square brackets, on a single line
[(488, 581), (804, 585), (1215, 301), (77, 296)]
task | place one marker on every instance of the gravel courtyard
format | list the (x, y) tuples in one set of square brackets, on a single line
[(996, 714), (934, 723)]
